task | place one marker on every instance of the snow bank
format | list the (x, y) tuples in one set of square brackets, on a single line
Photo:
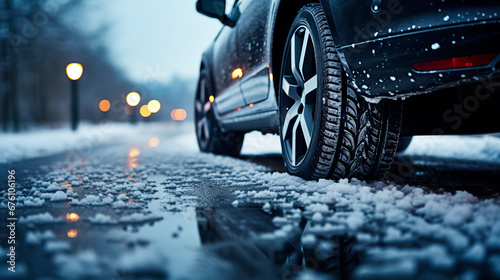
[(486, 147)]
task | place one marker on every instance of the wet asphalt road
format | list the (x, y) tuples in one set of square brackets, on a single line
[(188, 226)]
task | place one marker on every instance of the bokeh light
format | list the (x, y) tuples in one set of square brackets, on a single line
[(72, 217), (154, 142), (154, 106), (74, 71), (178, 114), (211, 98), (134, 152), (145, 111), (72, 233), (104, 105), (237, 73), (133, 99)]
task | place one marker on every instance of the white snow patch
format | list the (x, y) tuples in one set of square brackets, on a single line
[(42, 218), (59, 196), (435, 46), (100, 218)]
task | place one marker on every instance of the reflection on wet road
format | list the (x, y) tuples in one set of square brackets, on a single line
[(161, 210)]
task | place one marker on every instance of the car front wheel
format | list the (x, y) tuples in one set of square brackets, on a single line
[(210, 137)]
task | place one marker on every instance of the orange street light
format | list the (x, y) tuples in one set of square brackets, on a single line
[(178, 114), (104, 105)]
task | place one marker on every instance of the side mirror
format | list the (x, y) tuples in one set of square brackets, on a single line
[(215, 9), (212, 8)]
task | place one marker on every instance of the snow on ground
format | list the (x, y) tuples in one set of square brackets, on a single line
[(41, 142), (397, 231), (256, 143), (482, 147), (44, 141)]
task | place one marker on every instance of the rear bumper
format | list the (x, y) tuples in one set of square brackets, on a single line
[(382, 67)]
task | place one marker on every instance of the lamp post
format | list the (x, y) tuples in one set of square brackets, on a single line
[(74, 72)]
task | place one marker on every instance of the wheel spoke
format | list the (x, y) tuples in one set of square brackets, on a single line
[(207, 106), (198, 106), (206, 130), (290, 89), (199, 126), (292, 113), (202, 89), (306, 123), (294, 141), (293, 58), (202, 127), (303, 52), (310, 85)]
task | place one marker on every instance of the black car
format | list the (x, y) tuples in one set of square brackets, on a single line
[(332, 78)]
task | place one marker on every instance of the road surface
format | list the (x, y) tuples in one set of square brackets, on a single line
[(150, 206)]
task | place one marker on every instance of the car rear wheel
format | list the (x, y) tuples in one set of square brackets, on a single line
[(381, 137), (210, 137), (403, 144), (325, 126)]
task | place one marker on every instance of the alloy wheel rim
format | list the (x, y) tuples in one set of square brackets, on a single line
[(299, 92), (202, 108)]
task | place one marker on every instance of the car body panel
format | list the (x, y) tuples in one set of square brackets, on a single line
[(254, 55), (356, 21), (222, 58), (382, 67), (386, 38), (373, 47)]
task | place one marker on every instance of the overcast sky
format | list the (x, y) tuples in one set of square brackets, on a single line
[(166, 36)]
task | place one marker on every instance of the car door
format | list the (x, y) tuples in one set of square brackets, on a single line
[(225, 61), (252, 27)]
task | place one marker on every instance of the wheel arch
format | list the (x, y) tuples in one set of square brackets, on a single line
[(285, 14)]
